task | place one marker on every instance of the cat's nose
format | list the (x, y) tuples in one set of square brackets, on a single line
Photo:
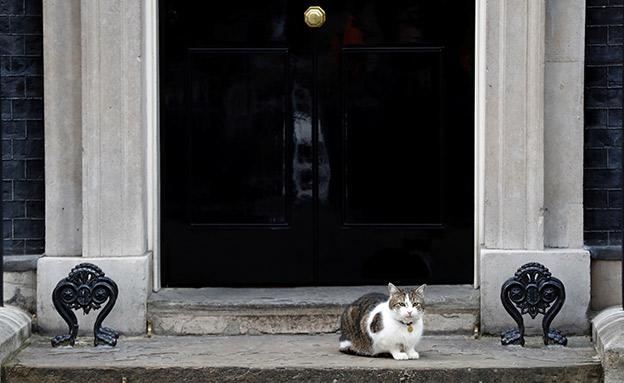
[(409, 313)]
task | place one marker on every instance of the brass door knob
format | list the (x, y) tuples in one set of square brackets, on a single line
[(314, 17)]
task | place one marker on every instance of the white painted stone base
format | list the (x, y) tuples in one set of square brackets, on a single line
[(20, 289), (570, 266), (606, 289), (608, 335), (129, 315)]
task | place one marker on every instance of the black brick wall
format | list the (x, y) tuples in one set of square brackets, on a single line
[(603, 124), (21, 94)]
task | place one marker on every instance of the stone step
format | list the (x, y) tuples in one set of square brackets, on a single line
[(300, 310), (298, 358)]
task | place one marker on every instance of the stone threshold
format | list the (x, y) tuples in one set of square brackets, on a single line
[(298, 310), (293, 358)]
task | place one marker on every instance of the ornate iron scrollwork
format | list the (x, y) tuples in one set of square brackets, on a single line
[(87, 288), (533, 290)]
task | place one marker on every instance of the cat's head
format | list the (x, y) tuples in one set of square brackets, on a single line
[(407, 305)]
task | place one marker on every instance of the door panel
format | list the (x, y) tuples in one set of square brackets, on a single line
[(238, 100), (392, 131), (335, 155)]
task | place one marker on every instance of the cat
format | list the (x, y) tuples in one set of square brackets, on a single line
[(376, 324)]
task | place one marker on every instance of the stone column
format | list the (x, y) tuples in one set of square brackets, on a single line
[(63, 127), (114, 213), (564, 125), (514, 107), (109, 77), (532, 155)]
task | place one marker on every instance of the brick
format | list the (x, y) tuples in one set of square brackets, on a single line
[(5, 66), (595, 118), (5, 25), (596, 238), (615, 238), (13, 169), (615, 118), (28, 109), (7, 110), (595, 158), (7, 229), (599, 97), (596, 77), (28, 190), (7, 190), (7, 149), (27, 149), (33, 7), (14, 247), (614, 158), (27, 25), (14, 209), (14, 129), (34, 246), (603, 219), (596, 3), (13, 87), (595, 178), (33, 45), (614, 98), (603, 16), (596, 97), (596, 35), (34, 129), (34, 86), (34, 169), (595, 199), (11, 7), (28, 228), (615, 35), (605, 55), (11, 45), (600, 138), (614, 199), (614, 77), (26, 66), (35, 209)]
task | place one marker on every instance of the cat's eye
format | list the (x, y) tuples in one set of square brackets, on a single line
[(401, 304)]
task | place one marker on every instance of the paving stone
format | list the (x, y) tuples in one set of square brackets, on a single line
[(292, 358)]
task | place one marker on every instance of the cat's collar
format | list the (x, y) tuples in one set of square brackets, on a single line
[(409, 326)]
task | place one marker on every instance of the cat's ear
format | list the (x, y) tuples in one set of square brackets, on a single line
[(421, 290), (393, 289)]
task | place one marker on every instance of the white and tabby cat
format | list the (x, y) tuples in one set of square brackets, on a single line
[(377, 324)]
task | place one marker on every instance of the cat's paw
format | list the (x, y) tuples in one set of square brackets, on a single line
[(399, 355), (413, 354)]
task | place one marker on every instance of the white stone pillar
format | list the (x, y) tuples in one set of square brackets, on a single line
[(114, 175), (63, 127), (563, 123), (529, 103), (514, 107), (107, 75)]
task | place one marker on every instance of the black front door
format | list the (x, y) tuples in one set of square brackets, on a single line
[(293, 155)]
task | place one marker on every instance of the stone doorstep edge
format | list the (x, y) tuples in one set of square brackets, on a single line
[(15, 329), (608, 337)]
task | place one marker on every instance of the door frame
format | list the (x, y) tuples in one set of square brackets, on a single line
[(151, 93)]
